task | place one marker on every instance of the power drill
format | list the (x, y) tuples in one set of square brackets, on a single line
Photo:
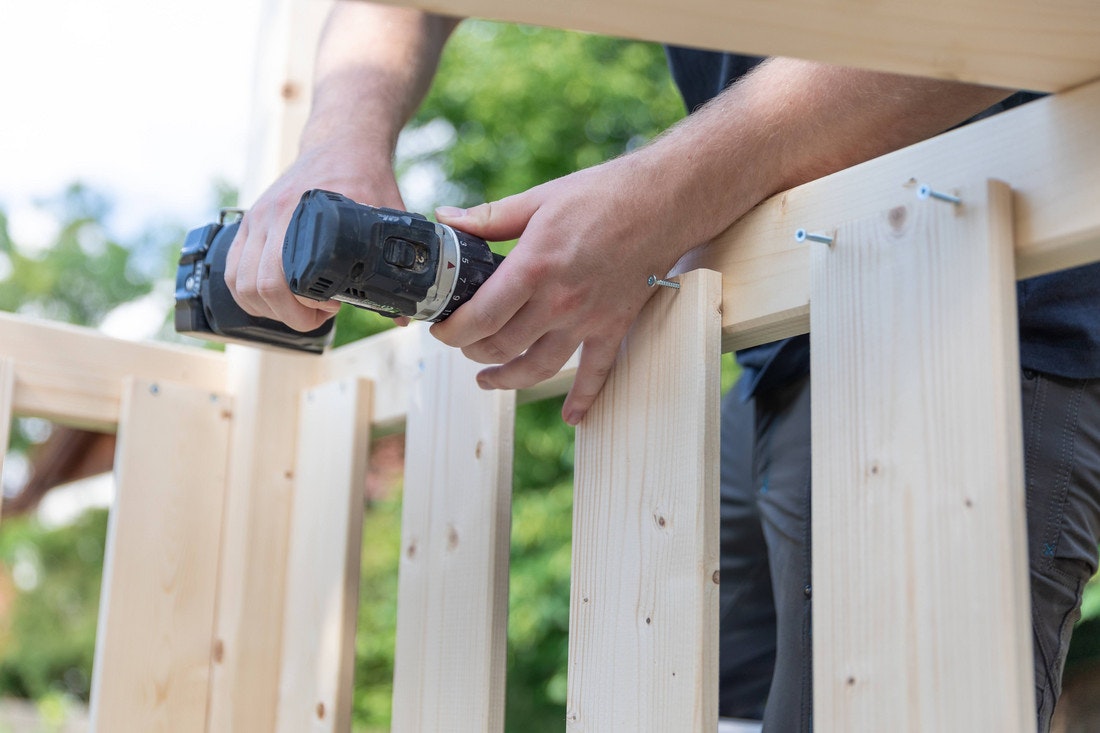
[(385, 260)]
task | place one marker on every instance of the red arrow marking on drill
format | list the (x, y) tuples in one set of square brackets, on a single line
[(450, 265)]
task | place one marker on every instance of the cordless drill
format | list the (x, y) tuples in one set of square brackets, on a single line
[(385, 260)]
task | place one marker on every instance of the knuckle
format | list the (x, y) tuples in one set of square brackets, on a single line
[(267, 287)]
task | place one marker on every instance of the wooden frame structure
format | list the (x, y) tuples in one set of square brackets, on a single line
[(231, 578)]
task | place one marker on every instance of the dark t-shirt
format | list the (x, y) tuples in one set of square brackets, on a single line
[(1059, 312)]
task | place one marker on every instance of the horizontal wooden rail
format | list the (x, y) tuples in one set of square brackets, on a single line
[(75, 375), (1047, 46), (1047, 151)]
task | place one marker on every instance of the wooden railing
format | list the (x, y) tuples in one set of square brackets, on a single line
[(230, 585)]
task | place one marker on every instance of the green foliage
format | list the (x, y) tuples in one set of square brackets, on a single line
[(85, 272), (531, 104), (47, 642)]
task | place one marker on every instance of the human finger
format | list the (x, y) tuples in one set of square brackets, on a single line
[(542, 361), (597, 358)]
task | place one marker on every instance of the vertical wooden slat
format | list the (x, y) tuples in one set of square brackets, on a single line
[(453, 581), (7, 389), (266, 386), (322, 586), (643, 628), (156, 617), (921, 612)]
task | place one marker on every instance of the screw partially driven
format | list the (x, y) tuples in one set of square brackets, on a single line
[(654, 280), (926, 192), (802, 235)]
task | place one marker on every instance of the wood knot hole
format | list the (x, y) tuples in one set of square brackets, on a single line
[(478, 448), (290, 91), (410, 552), (320, 711), (452, 537), (218, 652), (897, 216)]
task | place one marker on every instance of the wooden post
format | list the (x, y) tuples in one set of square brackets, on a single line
[(322, 587), (156, 618), (643, 626), (455, 531), (266, 386), (920, 578), (7, 389)]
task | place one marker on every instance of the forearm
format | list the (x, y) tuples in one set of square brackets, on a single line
[(789, 122), (374, 65)]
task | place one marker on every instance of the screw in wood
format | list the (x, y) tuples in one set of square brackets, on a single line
[(927, 192), (802, 235), (654, 280)]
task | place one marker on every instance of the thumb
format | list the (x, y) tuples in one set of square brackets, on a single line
[(495, 221)]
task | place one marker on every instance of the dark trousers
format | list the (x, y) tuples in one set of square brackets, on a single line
[(765, 655)]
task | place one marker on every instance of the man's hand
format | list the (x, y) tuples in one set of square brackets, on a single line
[(577, 277), (588, 241), (254, 265), (374, 65)]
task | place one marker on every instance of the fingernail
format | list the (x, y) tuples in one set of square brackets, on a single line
[(449, 212), (573, 417)]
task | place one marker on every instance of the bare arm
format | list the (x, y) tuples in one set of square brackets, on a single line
[(374, 66), (588, 241)]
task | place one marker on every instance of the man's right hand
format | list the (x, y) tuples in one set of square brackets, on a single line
[(374, 65), (254, 265)]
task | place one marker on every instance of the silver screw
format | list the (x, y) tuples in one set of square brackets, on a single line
[(654, 280), (926, 192), (802, 235), (154, 389)]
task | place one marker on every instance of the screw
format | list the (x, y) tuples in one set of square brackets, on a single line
[(802, 235), (654, 280), (926, 192), (154, 389)]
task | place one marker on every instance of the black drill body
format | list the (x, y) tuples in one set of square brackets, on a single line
[(385, 260)]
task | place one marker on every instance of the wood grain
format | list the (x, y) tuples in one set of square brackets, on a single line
[(156, 617), (452, 609), (643, 626), (920, 576)]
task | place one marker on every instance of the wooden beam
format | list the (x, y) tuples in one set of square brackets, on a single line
[(75, 375), (7, 384), (1047, 151), (282, 89), (156, 618), (918, 489), (452, 601), (1044, 46), (643, 622), (395, 358), (266, 385), (326, 540)]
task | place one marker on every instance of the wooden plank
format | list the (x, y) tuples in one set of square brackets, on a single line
[(920, 576), (643, 626), (1048, 151), (75, 375), (393, 358), (156, 617), (282, 92), (322, 587), (7, 383), (453, 577), (266, 385), (1044, 46)]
